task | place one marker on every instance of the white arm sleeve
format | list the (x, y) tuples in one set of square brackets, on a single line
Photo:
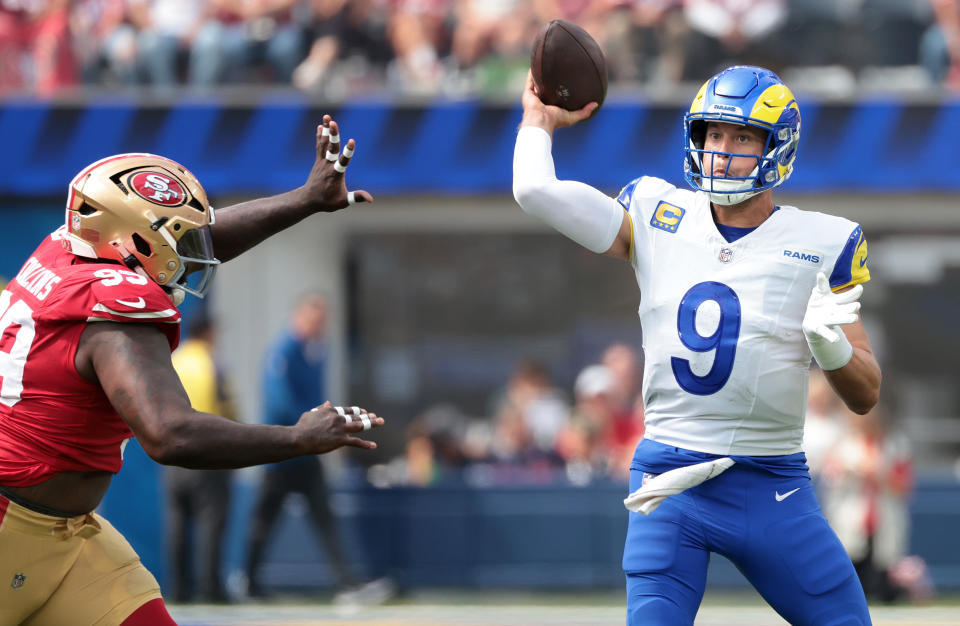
[(579, 211)]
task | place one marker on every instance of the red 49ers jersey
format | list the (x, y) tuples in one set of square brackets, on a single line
[(51, 419)]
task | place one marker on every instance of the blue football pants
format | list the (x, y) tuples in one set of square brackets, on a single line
[(783, 545)]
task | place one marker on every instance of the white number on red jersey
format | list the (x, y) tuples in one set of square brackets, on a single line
[(15, 320), (115, 277)]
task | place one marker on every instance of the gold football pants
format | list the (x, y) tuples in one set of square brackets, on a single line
[(75, 570)]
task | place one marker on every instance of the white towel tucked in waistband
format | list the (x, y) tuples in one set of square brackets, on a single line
[(648, 497)]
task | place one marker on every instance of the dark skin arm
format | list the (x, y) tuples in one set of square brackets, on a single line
[(241, 226), (132, 364)]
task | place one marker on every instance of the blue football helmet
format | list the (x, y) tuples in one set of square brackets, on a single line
[(749, 96)]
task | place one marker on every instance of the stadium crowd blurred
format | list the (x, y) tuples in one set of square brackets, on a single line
[(533, 433), (454, 48)]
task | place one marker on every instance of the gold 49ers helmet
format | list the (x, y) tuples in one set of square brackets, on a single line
[(147, 212)]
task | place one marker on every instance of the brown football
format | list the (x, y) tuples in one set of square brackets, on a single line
[(568, 67)]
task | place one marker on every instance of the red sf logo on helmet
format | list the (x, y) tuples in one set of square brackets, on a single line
[(158, 188)]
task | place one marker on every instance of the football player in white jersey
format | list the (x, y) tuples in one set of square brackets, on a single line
[(738, 294)]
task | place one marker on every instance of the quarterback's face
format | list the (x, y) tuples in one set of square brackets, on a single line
[(724, 137)]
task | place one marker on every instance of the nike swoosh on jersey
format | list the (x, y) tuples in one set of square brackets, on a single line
[(781, 498), (139, 303)]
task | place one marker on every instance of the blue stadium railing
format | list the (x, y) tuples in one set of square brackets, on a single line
[(458, 147)]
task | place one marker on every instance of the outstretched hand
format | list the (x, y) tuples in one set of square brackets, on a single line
[(547, 116), (326, 427), (326, 186)]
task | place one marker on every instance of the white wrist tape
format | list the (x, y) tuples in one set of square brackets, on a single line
[(831, 355), (582, 213)]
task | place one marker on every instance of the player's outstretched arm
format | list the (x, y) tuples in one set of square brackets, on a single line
[(579, 211), (840, 344), (241, 226), (132, 364)]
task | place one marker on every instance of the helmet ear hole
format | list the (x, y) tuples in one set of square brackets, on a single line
[(698, 133), (141, 244), (85, 209)]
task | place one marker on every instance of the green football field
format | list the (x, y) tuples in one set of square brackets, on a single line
[(442, 608)]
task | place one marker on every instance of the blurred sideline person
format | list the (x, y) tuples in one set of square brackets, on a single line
[(868, 478), (602, 433), (86, 331), (198, 500), (824, 426), (294, 374), (738, 294)]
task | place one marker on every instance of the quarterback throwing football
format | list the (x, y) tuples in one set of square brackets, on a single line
[(737, 295), (86, 331)]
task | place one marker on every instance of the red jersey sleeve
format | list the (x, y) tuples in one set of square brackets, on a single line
[(110, 293)]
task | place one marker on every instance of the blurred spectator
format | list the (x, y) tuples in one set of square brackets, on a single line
[(657, 47), (417, 31), (277, 39), (219, 53), (602, 433), (894, 29), (458, 47), (198, 500), (530, 415), (623, 362), (812, 33), (293, 382), (105, 42), (731, 32), (825, 421), (940, 45), (433, 450), (868, 478), (349, 33), (35, 47), (490, 49), (167, 30)]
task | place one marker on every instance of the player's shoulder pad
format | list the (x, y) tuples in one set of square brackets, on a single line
[(851, 266), (643, 187), (840, 238), (103, 292)]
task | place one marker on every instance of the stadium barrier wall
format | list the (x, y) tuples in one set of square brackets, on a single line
[(462, 147)]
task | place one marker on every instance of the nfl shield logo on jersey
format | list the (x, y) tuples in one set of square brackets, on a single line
[(726, 254), (18, 580)]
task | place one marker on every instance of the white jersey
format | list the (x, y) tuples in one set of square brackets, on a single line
[(727, 364)]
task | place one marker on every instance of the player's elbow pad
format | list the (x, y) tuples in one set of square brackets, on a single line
[(579, 211)]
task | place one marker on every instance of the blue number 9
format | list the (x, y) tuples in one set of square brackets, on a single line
[(723, 339)]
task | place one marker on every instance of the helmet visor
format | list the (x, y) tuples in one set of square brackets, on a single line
[(196, 244), (195, 249)]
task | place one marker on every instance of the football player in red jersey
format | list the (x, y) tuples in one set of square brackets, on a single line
[(86, 331)]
